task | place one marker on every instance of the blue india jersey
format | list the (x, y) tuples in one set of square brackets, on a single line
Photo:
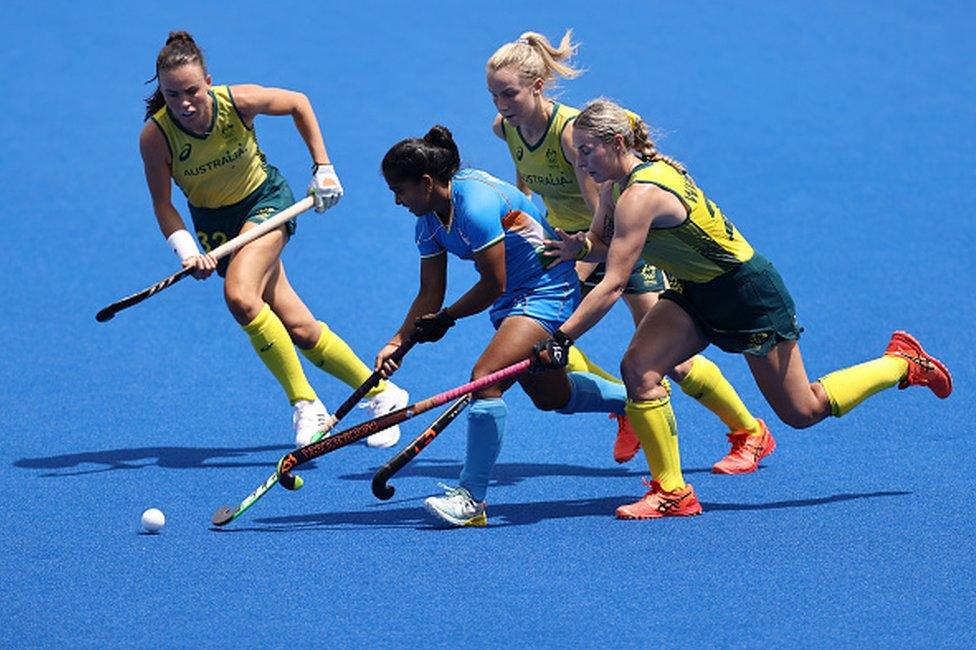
[(486, 211)]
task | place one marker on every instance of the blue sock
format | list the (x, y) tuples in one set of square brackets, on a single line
[(589, 393), (486, 428)]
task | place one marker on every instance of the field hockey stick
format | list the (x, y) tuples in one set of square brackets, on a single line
[(221, 251), (313, 450), (383, 491), (224, 515)]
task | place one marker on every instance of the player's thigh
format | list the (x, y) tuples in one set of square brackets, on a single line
[(513, 342), (251, 267), (666, 336), (640, 304), (784, 383)]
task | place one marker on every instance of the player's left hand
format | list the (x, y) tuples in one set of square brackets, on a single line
[(551, 354), (325, 187), (432, 327)]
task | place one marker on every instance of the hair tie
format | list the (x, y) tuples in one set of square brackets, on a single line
[(634, 119), (523, 41)]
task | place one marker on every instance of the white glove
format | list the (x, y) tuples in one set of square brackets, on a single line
[(325, 187)]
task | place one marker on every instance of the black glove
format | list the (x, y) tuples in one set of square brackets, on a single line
[(432, 327), (557, 353)]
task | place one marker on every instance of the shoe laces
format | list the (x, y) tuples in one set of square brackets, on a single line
[(621, 422), (455, 492), (382, 403), (652, 484), (923, 362), (306, 413)]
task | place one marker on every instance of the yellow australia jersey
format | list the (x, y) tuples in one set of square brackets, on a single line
[(218, 168), (544, 168), (701, 248)]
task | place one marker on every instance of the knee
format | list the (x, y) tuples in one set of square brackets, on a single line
[(244, 305), (545, 401), (491, 392), (641, 382), (681, 371), (800, 417)]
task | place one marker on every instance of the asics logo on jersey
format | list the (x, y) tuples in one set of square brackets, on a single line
[(185, 151)]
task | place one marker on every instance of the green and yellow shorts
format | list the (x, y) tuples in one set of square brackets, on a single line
[(214, 226), (644, 278), (745, 311)]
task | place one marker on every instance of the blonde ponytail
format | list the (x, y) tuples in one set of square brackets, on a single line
[(534, 57)]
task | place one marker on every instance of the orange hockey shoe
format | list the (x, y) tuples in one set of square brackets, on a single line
[(746, 452), (657, 503), (627, 443), (923, 368)]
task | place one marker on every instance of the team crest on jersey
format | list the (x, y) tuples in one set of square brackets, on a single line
[(185, 151), (519, 153), (550, 155), (758, 339), (227, 130)]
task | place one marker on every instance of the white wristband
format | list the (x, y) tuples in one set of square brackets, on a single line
[(183, 244)]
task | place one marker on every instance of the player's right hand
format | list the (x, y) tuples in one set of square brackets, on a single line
[(203, 266), (384, 364)]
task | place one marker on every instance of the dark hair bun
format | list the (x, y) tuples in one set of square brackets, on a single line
[(435, 154), (179, 36), (440, 136)]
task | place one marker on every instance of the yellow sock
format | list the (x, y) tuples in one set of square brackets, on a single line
[(579, 362), (274, 347), (708, 386), (653, 422), (333, 355), (849, 387)]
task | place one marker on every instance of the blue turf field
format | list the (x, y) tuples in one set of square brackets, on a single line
[(838, 136)]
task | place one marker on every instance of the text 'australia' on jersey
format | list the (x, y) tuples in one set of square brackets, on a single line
[(222, 166), (546, 171), (484, 212)]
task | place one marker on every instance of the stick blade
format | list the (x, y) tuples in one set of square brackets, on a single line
[(223, 516), (381, 490)]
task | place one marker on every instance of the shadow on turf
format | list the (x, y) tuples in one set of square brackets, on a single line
[(511, 514), (508, 474), (168, 457), (799, 503)]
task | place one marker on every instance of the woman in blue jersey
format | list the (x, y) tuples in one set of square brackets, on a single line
[(538, 131), (202, 138), (477, 217)]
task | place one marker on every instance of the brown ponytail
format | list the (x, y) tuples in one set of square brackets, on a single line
[(646, 147), (180, 49)]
